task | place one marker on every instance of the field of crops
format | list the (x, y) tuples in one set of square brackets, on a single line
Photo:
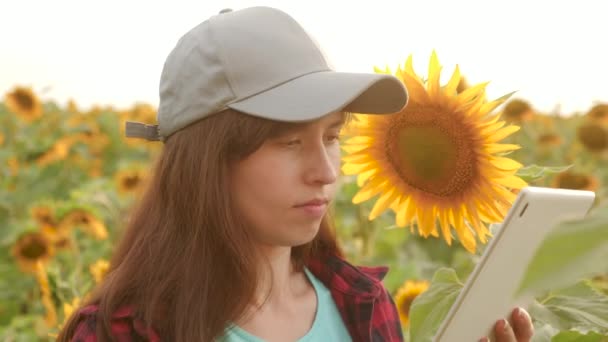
[(69, 178)]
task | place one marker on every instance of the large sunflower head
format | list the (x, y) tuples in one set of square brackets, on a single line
[(24, 103), (599, 113), (593, 136), (576, 181), (439, 160), (406, 295), (30, 249), (518, 110)]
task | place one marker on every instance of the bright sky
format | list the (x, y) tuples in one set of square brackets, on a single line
[(112, 51)]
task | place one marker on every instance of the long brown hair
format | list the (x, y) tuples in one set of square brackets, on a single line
[(186, 262)]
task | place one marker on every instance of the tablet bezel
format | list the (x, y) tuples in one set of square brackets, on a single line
[(573, 204)]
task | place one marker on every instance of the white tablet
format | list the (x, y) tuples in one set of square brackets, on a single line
[(488, 293)]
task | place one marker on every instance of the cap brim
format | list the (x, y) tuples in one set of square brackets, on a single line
[(317, 94)]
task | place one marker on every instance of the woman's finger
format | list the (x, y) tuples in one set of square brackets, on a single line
[(522, 325), (504, 332)]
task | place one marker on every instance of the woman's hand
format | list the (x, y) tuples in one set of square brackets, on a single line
[(521, 331)]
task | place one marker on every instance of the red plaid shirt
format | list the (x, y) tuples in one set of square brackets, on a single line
[(367, 308)]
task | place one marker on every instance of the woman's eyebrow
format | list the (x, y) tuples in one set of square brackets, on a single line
[(337, 123)]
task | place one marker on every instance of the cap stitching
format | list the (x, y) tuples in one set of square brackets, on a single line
[(279, 84)]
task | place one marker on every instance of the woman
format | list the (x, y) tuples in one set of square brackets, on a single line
[(232, 239)]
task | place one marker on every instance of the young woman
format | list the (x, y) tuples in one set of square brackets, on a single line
[(232, 240)]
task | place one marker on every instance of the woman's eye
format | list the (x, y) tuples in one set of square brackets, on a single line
[(333, 138), (293, 142)]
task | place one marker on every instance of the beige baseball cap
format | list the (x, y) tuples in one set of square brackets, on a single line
[(261, 62)]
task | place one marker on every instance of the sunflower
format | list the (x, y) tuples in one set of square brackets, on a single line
[(59, 151), (86, 220), (438, 159), (24, 103), (129, 181), (406, 295), (599, 113), (30, 249), (462, 85), (99, 269), (44, 215), (576, 181), (594, 137), (518, 111)]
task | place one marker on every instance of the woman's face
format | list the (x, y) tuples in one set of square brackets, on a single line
[(284, 187)]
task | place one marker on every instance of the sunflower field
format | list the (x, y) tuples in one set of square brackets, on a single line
[(422, 191)]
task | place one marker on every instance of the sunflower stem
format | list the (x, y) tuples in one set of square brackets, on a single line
[(366, 231)]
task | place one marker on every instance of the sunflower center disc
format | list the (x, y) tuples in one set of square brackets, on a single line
[(24, 100), (435, 157)]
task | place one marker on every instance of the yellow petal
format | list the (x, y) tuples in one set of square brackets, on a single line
[(503, 133), (382, 203), (497, 148), (445, 226), (351, 169), (506, 164), (354, 148), (409, 69), (489, 128), (416, 90), (464, 234), (386, 70), (357, 158), (359, 140), (472, 92), (401, 218), (426, 222), (364, 176), (369, 190), (473, 218), (450, 88), (512, 182), (489, 107), (434, 76)]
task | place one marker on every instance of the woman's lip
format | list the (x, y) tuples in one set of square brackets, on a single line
[(313, 203), (316, 210)]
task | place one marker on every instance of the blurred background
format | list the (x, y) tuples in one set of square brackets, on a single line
[(111, 52), (72, 72)]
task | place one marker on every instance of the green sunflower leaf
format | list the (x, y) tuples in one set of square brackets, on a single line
[(572, 251), (535, 172), (575, 336), (430, 308), (576, 307)]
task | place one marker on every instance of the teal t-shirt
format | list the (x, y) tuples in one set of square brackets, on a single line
[(327, 325)]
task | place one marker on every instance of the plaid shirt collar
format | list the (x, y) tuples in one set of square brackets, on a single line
[(339, 275), (367, 309)]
